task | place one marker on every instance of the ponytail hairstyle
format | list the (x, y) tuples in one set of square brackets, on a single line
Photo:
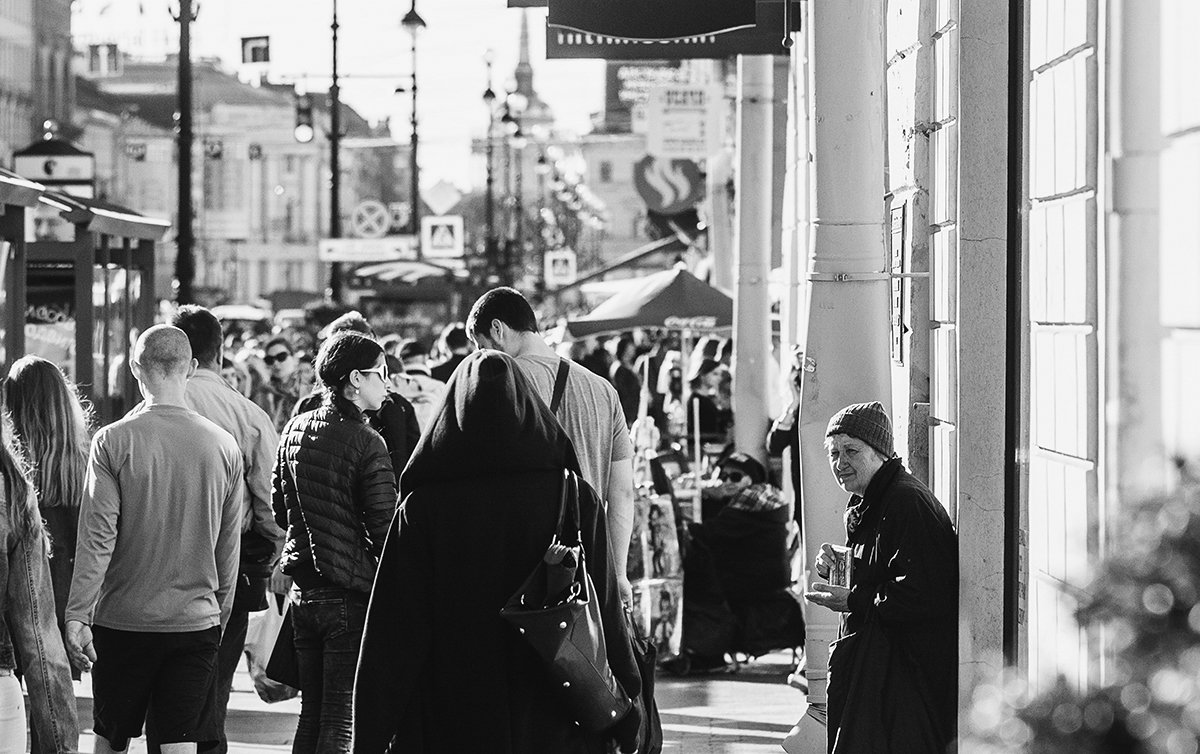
[(51, 429), (341, 354)]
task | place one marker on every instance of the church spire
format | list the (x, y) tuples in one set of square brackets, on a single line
[(524, 72), (536, 112)]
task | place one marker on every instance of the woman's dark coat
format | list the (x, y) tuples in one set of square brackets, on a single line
[(440, 670), (893, 672), (334, 493)]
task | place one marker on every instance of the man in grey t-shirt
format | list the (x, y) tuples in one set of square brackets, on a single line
[(590, 413)]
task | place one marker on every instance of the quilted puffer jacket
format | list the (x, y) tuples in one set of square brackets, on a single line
[(334, 492)]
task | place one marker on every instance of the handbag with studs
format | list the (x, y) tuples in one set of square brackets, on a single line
[(556, 611)]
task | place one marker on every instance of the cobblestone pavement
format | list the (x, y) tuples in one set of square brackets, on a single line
[(747, 712)]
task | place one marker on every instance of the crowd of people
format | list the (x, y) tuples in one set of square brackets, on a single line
[(397, 498)]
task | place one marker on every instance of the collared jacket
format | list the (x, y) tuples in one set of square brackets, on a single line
[(334, 491), (29, 632), (899, 641)]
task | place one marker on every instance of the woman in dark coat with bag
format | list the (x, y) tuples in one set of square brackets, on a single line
[(482, 499)]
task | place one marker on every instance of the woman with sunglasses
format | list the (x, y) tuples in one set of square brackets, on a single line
[(334, 493)]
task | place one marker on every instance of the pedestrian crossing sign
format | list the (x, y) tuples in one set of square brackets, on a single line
[(442, 237)]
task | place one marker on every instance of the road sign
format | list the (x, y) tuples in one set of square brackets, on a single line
[(684, 121), (441, 197), (442, 237), (370, 219), (367, 249), (559, 268), (668, 186)]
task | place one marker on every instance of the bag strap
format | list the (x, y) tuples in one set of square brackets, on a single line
[(560, 385), (567, 529)]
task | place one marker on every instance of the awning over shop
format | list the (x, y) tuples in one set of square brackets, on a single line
[(663, 245), (407, 271), (106, 219), (18, 191), (672, 300)]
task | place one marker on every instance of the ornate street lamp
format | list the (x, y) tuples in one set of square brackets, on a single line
[(413, 23)]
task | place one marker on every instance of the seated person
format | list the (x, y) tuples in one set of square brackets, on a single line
[(737, 572)]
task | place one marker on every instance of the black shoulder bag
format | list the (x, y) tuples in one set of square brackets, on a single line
[(557, 612)]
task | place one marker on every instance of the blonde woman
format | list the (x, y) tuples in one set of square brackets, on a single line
[(51, 428)]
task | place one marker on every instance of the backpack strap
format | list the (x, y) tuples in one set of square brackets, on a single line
[(560, 385)]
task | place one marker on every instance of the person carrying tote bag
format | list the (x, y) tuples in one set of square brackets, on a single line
[(481, 502)]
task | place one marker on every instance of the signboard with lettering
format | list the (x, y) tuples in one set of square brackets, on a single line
[(367, 249), (661, 19), (764, 38), (627, 87), (684, 122)]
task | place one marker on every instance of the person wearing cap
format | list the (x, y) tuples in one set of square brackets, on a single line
[(737, 573), (893, 672)]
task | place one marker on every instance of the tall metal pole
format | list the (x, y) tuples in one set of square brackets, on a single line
[(413, 22), (489, 197), (185, 260), (335, 166)]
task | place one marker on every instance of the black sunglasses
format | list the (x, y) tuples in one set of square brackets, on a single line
[(732, 476), (281, 356)]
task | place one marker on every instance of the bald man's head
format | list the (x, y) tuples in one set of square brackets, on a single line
[(163, 352)]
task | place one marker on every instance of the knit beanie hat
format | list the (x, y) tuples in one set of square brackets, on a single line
[(866, 421)]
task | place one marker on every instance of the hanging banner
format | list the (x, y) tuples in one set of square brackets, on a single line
[(661, 19), (764, 38)]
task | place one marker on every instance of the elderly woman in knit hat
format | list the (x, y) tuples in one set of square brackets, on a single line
[(893, 672)]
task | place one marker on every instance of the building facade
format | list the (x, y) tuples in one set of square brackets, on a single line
[(261, 198), (1042, 178), (35, 70)]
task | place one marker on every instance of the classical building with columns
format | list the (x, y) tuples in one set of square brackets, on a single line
[(1025, 184)]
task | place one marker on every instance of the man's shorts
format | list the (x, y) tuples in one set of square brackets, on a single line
[(160, 679)]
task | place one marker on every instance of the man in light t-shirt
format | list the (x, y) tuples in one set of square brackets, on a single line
[(590, 412)]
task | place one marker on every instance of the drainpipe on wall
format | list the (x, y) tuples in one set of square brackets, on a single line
[(752, 313), (847, 346)]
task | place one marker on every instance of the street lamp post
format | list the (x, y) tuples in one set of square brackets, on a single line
[(185, 260), (543, 169), (413, 22), (489, 197), (335, 167)]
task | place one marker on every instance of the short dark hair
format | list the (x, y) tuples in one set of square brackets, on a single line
[(203, 331), (279, 340), (455, 336), (341, 354), (505, 304)]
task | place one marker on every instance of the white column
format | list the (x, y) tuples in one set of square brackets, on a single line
[(848, 330), (1135, 330), (981, 319), (752, 313)]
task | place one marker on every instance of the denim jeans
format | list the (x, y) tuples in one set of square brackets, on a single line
[(328, 623)]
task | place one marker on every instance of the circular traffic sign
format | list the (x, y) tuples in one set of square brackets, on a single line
[(370, 219)]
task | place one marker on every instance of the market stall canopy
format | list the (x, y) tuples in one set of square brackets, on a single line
[(673, 299)]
